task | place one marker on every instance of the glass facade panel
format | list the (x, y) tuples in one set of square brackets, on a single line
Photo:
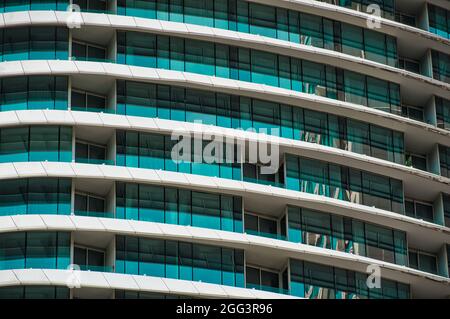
[(34, 43), (268, 21), (423, 261), (344, 183), (256, 278), (27, 5), (443, 113), (35, 196), (34, 292), (92, 5), (155, 151), (387, 7), (47, 250), (33, 92), (255, 66), (441, 66), (318, 281), (444, 158), (178, 206), (185, 104), (127, 294), (347, 235), (439, 21), (36, 143), (179, 260), (446, 202)]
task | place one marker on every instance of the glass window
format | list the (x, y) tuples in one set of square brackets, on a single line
[(257, 66), (443, 113), (264, 20), (344, 234), (33, 92), (33, 43), (444, 158), (441, 66), (155, 151), (439, 21), (352, 40), (355, 88), (321, 178), (35, 196), (317, 281), (196, 262), (423, 261), (234, 111), (22, 250), (178, 206), (262, 279), (34, 292)]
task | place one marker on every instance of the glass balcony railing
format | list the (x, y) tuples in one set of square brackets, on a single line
[(92, 109), (94, 214), (264, 234), (96, 268), (94, 161), (277, 290), (263, 182), (92, 59)]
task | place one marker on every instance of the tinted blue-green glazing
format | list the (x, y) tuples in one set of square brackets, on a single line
[(157, 151), (318, 281), (346, 234), (36, 143), (33, 92), (269, 21), (179, 260), (213, 59), (231, 111), (46, 250), (34, 43), (178, 206), (35, 196), (344, 183)]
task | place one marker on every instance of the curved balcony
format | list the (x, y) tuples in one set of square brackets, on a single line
[(253, 194), (256, 248), (113, 281)]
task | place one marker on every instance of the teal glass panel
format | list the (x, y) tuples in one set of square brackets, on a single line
[(12, 251), (439, 21), (26, 5), (14, 144), (239, 112), (206, 210), (442, 113), (311, 30), (178, 206), (317, 281), (151, 203), (207, 264), (441, 66), (34, 43), (355, 88), (34, 250), (35, 196), (375, 46), (322, 178), (34, 292), (444, 158), (179, 260), (255, 66), (265, 20), (155, 151), (33, 92)]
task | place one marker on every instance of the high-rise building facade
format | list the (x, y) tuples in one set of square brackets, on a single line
[(225, 148)]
